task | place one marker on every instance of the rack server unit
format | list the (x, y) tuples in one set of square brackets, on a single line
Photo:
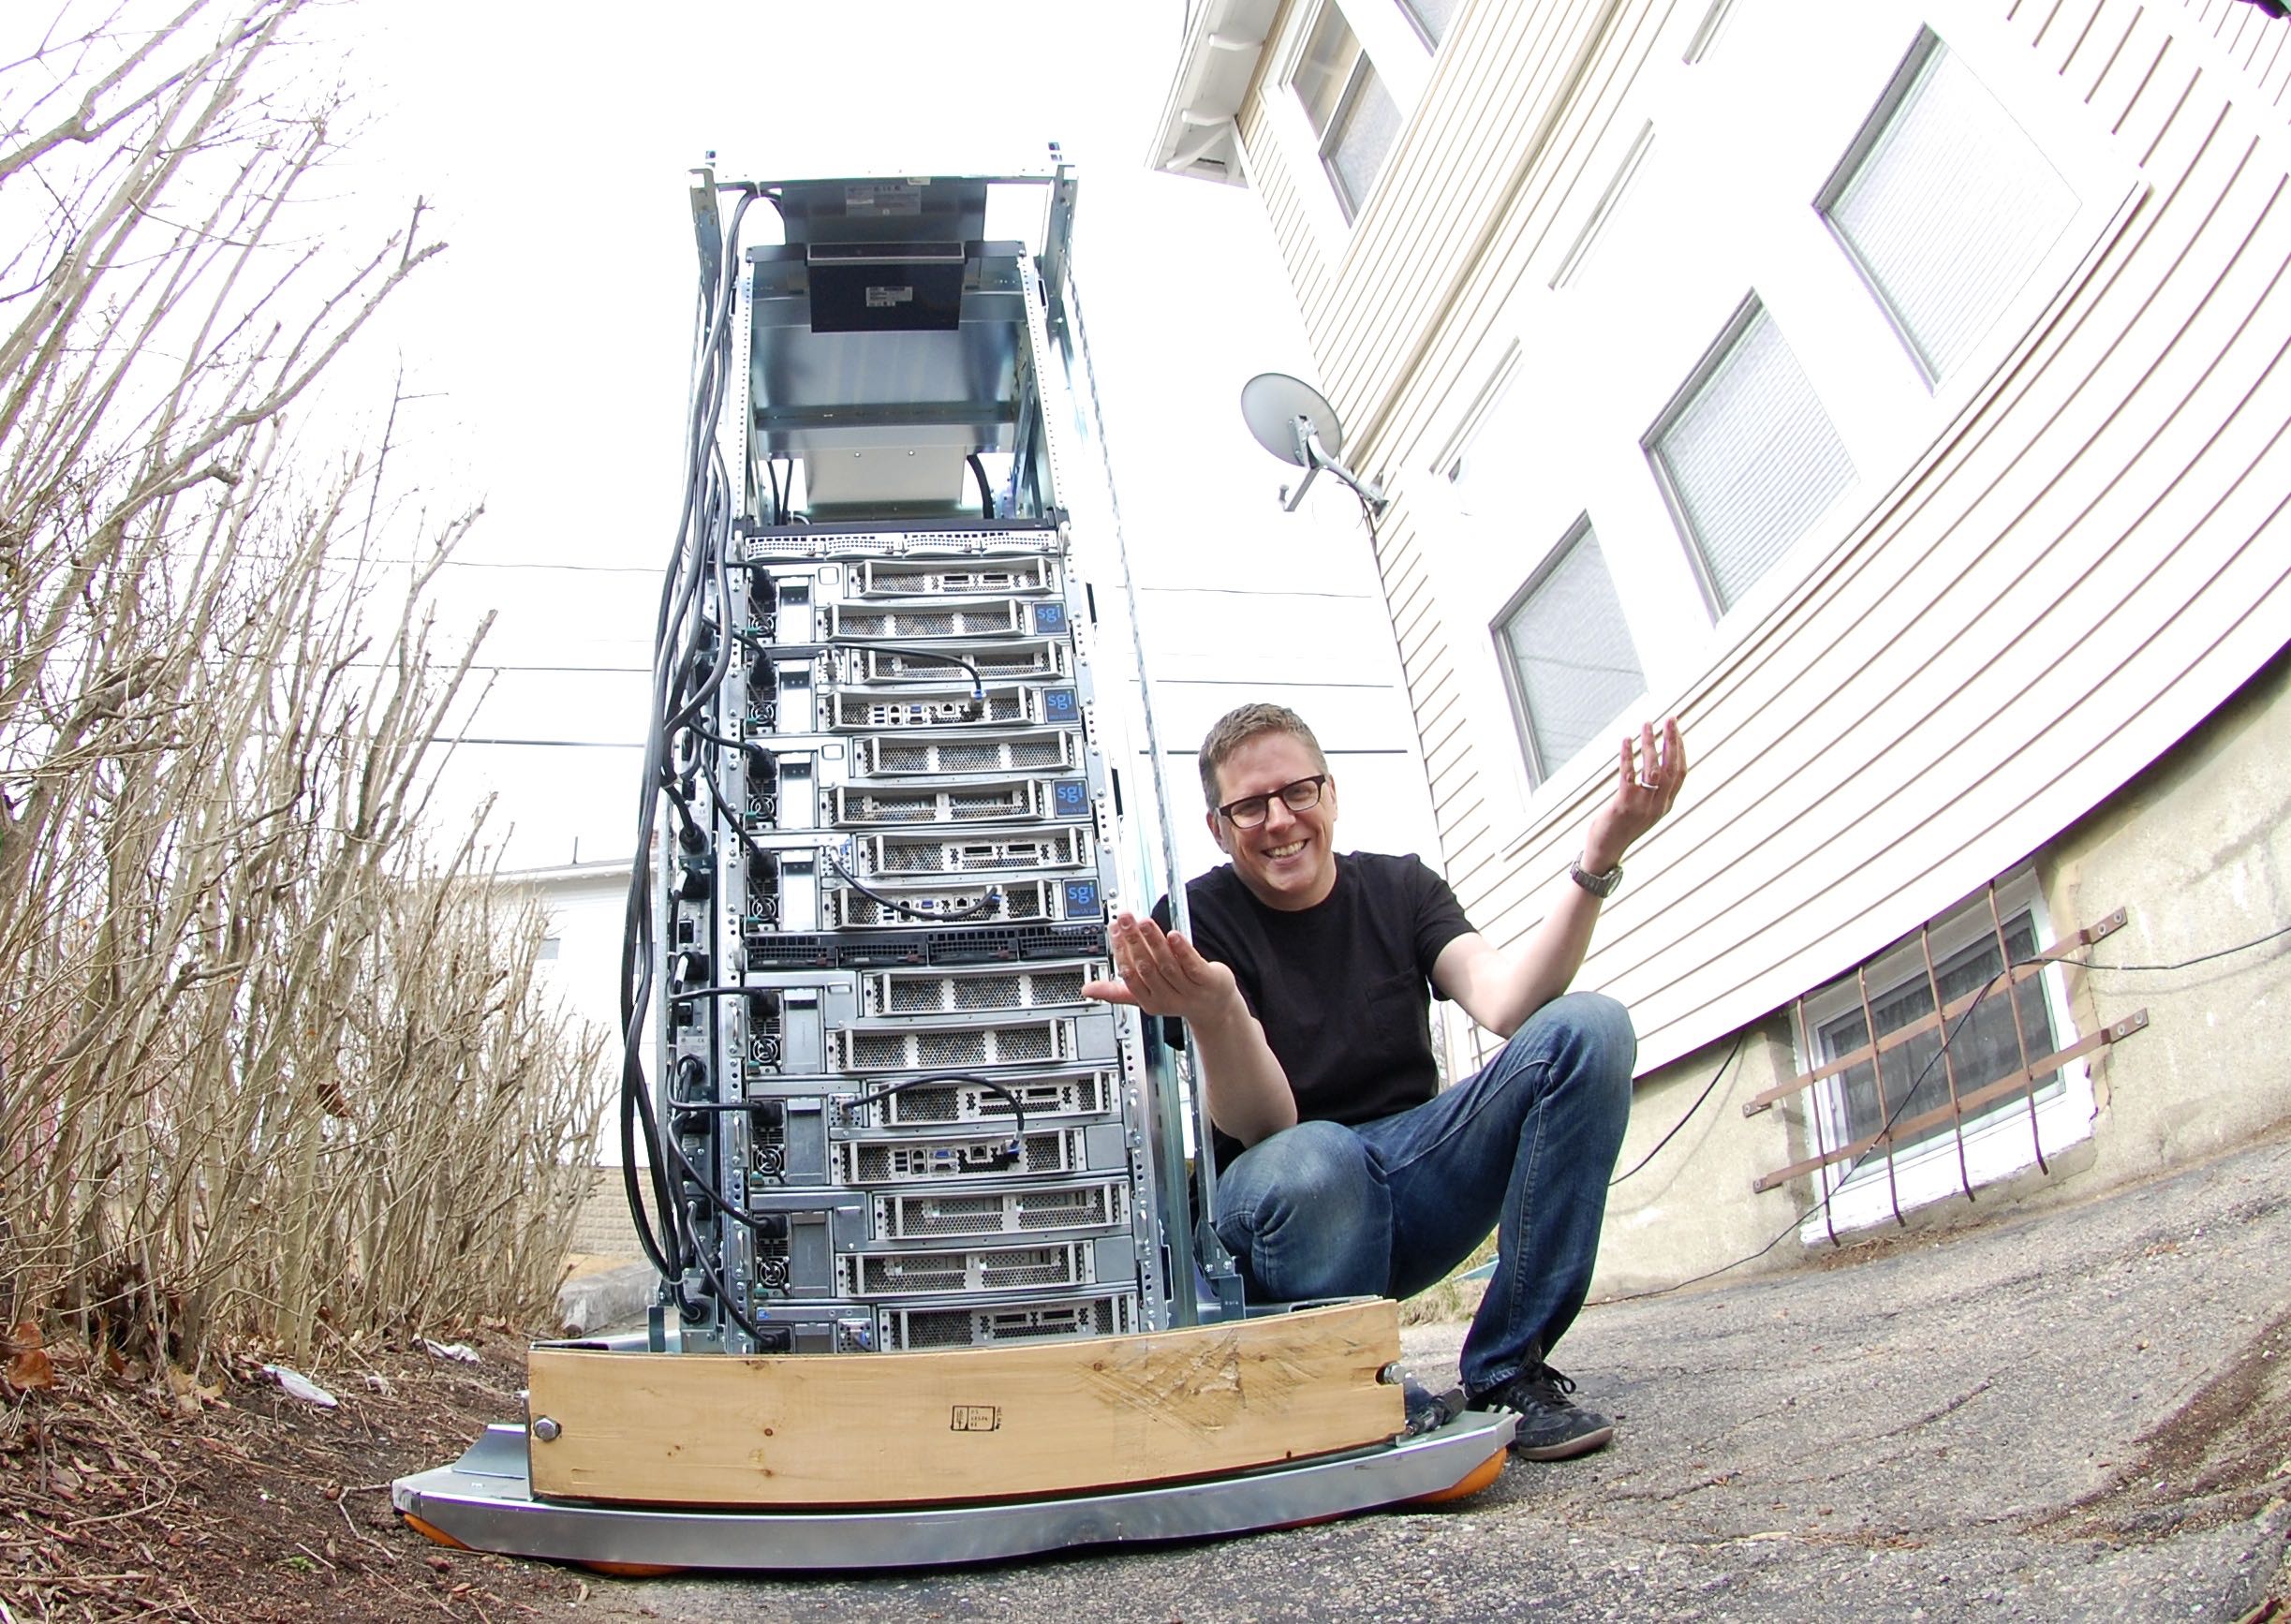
[(893, 1122)]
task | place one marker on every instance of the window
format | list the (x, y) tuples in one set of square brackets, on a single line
[(1907, 1086), (1567, 655), (1350, 112), (1747, 456), (1982, 1105), (551, 947), (1945, 206), (1431, 18)]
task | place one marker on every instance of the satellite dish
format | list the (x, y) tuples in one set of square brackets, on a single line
[(1294, 422), (1273, 403)]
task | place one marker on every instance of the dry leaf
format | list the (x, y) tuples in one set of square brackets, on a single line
[(27, 1361)]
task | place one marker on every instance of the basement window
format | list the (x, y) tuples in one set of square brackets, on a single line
[(1918, 1119)]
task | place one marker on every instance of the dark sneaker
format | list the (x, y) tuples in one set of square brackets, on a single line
[(1552, 1426)]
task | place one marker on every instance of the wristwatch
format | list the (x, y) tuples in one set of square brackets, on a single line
[(1597, 884)]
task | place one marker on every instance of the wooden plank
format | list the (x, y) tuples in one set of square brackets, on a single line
[(974, 1424)]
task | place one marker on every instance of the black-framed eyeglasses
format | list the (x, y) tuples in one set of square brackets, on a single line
[(1301, 795)]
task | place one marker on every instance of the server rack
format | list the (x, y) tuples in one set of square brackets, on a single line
[(886, 802)]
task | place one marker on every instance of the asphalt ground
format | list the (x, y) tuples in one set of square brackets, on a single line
[(2079, 1413)]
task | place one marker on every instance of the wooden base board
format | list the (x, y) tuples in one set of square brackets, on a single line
[(977, 1424)]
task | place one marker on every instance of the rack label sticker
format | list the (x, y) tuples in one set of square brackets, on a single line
[(883, 198), (977, 1418)]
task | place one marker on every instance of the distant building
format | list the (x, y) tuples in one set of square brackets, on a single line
[(1898, 392), (587, 905)]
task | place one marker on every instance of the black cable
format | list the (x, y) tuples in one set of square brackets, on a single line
[(986, 497), (2199, 959), (779, 507), (1691, 1109), (1018, 1110), (704, 511), (986, 907), (1947, 1036), (811, 650)]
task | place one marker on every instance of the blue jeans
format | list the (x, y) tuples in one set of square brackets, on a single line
[(1389, 1207)]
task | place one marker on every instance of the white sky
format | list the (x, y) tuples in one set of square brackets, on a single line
[(552, 344)]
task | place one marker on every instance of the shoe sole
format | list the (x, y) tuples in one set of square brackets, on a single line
[(1572, 1447)]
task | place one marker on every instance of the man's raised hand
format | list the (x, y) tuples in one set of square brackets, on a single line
[(1161, 974)]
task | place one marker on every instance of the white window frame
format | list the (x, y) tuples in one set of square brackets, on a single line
[(1908, 82), (1400, 58), (2002, 1142), (1523, 719)]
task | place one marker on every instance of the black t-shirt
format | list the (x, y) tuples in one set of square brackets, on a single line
[(1342, 989)]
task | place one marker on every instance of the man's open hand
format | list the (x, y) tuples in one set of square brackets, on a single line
[(1161, 974), (1651, 774)]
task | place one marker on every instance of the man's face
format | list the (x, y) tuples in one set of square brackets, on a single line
[(1288, 861)]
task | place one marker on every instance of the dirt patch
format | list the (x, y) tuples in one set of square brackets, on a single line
[(232, 1500), (2223, 1456)]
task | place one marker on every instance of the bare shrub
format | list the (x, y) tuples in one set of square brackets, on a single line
[(265, 1064)]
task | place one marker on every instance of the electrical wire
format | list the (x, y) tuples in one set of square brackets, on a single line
[(2275, 935), (811, 650), (1708, 1087), (889, 1090), (701, 538), (986, 495), (986, 907)]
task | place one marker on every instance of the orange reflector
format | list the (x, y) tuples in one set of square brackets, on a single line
[(432, 1531), (1472, 1483)]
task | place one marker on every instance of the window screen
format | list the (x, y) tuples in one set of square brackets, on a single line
[(1947, 206), (1352, 113), (1431, 18), (1568, 653), (1748, 456)]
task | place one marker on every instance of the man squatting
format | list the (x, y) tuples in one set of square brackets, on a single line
[(1341, 1168)]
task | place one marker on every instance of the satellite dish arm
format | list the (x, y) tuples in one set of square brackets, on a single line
[(1314, 459)]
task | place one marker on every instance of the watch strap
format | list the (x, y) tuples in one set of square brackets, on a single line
[(1597, 884)]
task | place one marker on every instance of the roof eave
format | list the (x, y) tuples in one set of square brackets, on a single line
[(1197, 135)]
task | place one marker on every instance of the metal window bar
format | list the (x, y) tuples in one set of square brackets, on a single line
[(2020, 1036), (2002, 1089), (1941, 1019), (1948, 1060), (2035, 964), (1814, 1116), (1877, 1081)]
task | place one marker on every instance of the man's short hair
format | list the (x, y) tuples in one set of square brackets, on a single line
[(1243, 723)]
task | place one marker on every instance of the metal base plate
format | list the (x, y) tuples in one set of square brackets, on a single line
[(484, 1501)]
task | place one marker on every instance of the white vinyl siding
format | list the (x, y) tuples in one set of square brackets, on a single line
[(1947, 206), (1748, 456), (1568, 655), (2051, 567)]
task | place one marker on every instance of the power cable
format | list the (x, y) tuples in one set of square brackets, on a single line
[(1708, 1087)]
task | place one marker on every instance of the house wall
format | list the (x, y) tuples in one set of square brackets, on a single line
[(587, 909), (2197, 851), (2047, 575)]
